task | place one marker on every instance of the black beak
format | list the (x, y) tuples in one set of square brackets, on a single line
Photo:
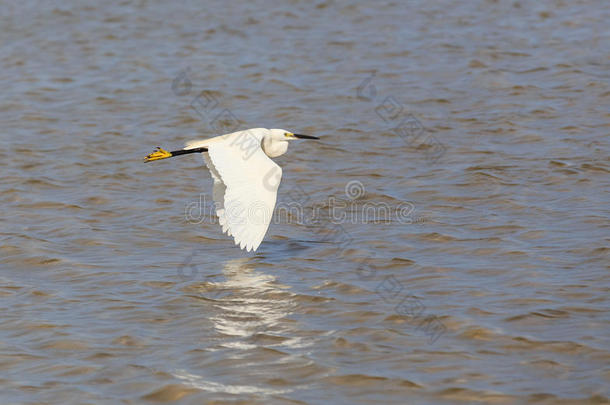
[(305, 136)]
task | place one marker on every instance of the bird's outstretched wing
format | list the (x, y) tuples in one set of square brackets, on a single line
[(218, 191), (250, 180), (218, 194)]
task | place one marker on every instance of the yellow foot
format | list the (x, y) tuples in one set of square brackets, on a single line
[(158, 154)]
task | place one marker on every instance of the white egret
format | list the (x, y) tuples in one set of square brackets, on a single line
[(245, 179)]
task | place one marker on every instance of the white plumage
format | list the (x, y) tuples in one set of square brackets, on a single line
[(245, 179)]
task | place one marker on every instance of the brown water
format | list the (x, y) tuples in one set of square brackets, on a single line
[(485, 280)]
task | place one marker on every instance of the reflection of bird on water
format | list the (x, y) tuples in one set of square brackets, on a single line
[(249, 313), (257, 304)]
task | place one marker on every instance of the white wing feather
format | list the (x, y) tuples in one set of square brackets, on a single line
[(245, 186), (218, 194), (218, 190)]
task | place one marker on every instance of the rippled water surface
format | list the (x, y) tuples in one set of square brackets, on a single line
[(459, 250)]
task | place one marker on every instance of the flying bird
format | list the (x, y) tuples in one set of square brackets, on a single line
[(245, 178)]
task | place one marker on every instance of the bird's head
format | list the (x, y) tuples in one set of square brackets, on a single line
[(275, 142)]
